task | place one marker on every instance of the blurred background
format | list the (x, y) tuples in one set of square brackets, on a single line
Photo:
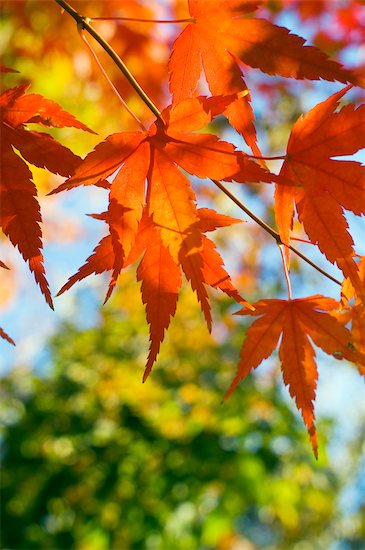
[(92, 458)]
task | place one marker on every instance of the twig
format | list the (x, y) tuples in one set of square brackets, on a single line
[(83, 23), (82, 34), (136, 19), (275, 235)]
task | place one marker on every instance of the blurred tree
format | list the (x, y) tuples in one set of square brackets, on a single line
[(94, 460)]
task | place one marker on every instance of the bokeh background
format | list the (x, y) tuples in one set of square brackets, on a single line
[(92, 458)]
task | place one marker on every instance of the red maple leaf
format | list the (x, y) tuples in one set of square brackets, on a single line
[(219, 37), (154, 155), (322, 187), (170, 232), (20, 211), (298, 322)]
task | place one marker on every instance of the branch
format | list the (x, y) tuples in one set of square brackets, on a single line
[(138, 20), (275, 235), (82, 22), (91, 49)]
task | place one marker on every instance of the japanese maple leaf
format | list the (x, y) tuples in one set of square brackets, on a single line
[(170, 234), (161, 274), (155, 155), (20, 211), (299, 323), (219, 38), (322, 187)]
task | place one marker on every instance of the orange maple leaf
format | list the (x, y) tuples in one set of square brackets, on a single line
[(20, 211), (163, 221), (154, 155), (322, 187), (297, 322), (219, 38)]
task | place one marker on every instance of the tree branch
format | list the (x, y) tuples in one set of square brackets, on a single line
[(275, 235), (82, 22)]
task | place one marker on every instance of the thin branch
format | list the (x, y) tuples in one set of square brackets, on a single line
[(279, 157), (82, 22), (301, 240), (275, 235), (82, 34), (188, 20), (247, 211)]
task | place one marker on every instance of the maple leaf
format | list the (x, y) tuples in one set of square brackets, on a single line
[(298, 322), (322, 187), (163, 221), (154, 155), (20, 212), (218, 38)]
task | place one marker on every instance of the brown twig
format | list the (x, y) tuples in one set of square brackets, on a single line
[(82, 22), (101, 68), (272, 231), (137, 20)]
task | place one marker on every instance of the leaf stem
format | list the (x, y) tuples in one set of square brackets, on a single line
[(301, 240), (81, 32), (275, 235), (286, 272), (188, 20), (82, 22), (279, 157)]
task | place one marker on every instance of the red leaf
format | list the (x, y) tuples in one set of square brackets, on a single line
[(34, 108), (169, 204), (218, 38), (322, 187), (20, 214), (298, 322)]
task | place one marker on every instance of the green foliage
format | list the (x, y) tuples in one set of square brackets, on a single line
[(94, 460)]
